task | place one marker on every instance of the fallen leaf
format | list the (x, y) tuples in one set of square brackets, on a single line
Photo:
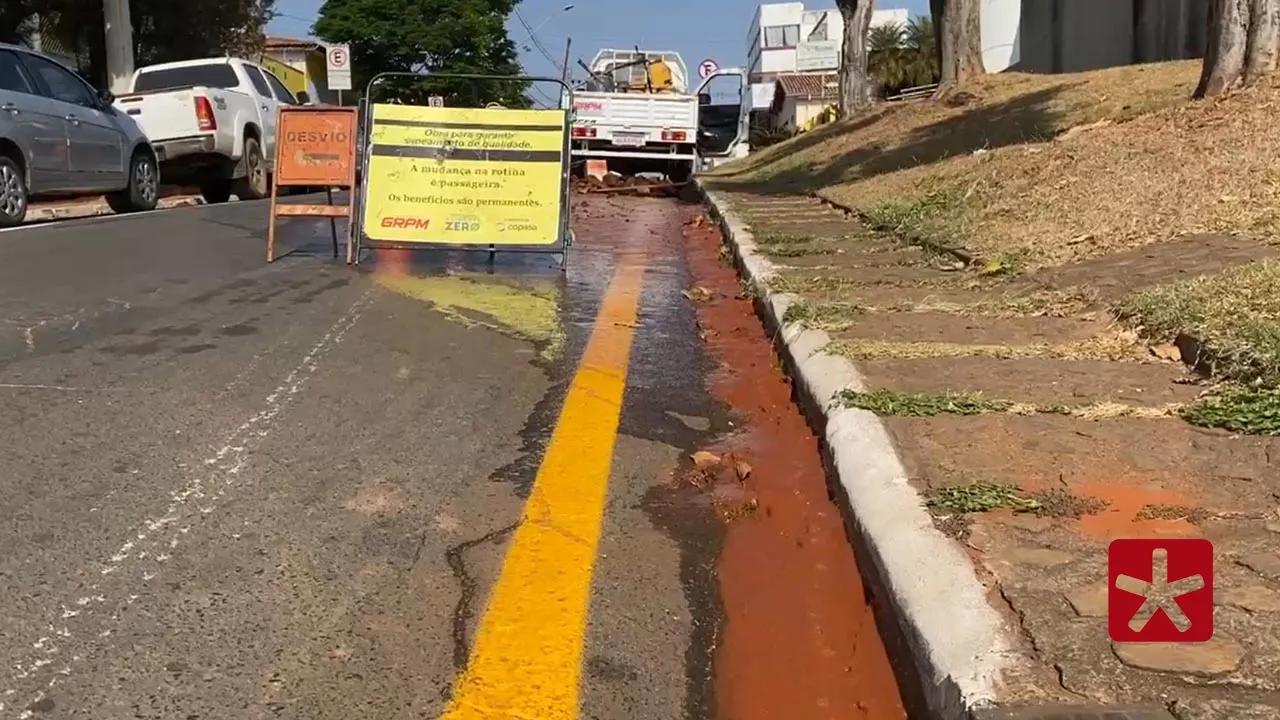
[(742, 468), (703, 459), (1167, 351)]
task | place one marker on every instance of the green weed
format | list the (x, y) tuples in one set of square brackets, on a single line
[(1253, 411), (892, 402), (978, 497)]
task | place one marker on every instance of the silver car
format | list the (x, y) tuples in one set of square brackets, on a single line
[(60, 137)]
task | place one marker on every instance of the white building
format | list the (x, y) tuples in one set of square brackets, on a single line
[(1023, 35), (786, 38), (1075, 35)]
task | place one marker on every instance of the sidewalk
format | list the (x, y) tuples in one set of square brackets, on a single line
[(1035, 428), (93, 206)]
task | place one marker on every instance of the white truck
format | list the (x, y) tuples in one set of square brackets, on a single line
[(635, 111), (212, 123)]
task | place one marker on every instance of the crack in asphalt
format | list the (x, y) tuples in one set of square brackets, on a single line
[(462, 612)]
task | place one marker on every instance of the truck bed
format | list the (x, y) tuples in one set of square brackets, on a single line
[(629, 113), (163, 114)]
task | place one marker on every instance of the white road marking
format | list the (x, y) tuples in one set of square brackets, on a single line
[(226, 464), (37, 386)]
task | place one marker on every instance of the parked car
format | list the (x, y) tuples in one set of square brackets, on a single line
[(212, 123), (61, 137)]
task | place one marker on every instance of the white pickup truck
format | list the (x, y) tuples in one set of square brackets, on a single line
[(635, 112), (212, 123)]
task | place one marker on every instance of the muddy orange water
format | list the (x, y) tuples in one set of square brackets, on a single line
[(799, 639)]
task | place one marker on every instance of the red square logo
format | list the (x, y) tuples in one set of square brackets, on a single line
[(1160, 590)]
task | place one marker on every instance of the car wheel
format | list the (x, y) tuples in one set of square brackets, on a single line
[(215, 191), (13, 193), (255, 184), (143, 191)]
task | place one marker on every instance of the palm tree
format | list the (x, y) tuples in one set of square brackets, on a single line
[(887, 60), (921, 41)]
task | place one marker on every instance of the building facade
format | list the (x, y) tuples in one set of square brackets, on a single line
[(1056, 36), (300, 65), (786, 38)]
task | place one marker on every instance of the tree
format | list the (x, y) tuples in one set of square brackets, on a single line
[(14, 16), (902, 56), (431, 36), (855, 85), (1244, 44), (921, 40), (163, 30), (887, 59), (959, 35)]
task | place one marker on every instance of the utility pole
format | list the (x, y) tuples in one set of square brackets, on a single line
[(564, 66), (119, 42)]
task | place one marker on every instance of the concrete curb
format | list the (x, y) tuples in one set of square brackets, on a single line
[(957, 644), (38, 213)]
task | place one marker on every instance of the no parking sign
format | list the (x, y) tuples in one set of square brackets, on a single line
[(338, 66), (707, 68)]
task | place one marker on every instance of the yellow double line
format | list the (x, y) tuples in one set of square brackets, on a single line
[(527, 657)]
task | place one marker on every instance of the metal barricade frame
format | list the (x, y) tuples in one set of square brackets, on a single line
[(565, 231)]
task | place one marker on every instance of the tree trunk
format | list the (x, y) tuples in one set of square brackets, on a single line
[(960, 26), (1244, 44), (855, 86), (936, 9)]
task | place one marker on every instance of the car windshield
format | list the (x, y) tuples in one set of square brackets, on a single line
[(219, 75)]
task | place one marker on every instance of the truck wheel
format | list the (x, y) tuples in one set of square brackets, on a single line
[(255, 184), (143, 190), (13, 193), (215, 191)]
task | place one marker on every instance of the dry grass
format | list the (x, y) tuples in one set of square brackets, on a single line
[(1111, 346), (1045, 303), (1234, 315), (1192, 167), (822, 316), (1013, 108), (1134, 162), (905, 404)]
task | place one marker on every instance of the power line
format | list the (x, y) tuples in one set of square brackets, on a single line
[(277, 14), (533, 38)]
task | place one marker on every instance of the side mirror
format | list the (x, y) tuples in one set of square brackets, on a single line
[(106, 97), (704, 98), (303, 97)]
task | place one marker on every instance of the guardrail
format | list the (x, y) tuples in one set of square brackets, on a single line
[(913, 93)]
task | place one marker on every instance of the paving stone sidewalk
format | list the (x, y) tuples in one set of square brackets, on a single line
[(1082, 420)]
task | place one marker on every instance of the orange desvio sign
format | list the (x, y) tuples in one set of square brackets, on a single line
[(317, 146)]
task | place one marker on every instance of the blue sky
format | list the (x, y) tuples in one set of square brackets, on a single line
[(696, 29)]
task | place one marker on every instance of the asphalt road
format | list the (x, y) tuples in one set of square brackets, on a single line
[(303, 490)]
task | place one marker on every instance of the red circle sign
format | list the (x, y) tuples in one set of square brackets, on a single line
[(707, 68), (337, 57)]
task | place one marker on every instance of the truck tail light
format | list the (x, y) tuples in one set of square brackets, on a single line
[(583, 132), (204, 114), (674, 135)]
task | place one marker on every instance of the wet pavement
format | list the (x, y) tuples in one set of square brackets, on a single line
[(415, 489)]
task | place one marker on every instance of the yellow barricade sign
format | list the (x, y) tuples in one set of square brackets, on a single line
[(465, 176)]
